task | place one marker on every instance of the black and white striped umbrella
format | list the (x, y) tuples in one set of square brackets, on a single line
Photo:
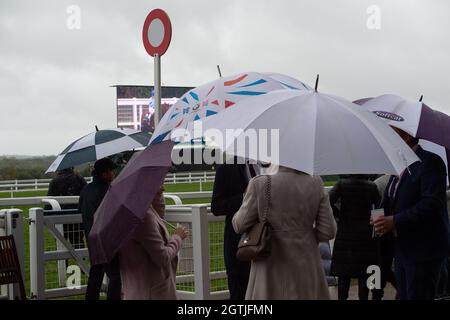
[(97, 145)]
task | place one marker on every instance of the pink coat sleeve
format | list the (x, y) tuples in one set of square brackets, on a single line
[(325, 226), (160, 251)]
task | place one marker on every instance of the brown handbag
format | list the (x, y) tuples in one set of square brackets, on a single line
[(255, 244)]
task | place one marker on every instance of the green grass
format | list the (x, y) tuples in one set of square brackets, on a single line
[(188, 187), (24, 194)]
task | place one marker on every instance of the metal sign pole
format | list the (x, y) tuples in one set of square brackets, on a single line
[(157, 88)]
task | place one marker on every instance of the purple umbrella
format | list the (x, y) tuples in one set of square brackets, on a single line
[(125, 204), (413, 117)]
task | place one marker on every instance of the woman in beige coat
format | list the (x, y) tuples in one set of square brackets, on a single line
[(301, 217), (148, 262)]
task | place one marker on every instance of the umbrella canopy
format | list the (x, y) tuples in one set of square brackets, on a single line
[(130, 195), (218, 95), (413, 117), (318, 134), (125, 204), (437, 149), (98, 145)]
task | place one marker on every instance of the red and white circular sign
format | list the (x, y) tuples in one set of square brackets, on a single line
[(157, 32)]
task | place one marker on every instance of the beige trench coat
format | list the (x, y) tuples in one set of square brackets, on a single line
[(301, 217), (148, 262)]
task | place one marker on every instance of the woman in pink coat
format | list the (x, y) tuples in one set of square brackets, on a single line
[(148, 262)]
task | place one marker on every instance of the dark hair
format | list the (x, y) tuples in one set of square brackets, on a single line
[(66, 171), (103, 165)]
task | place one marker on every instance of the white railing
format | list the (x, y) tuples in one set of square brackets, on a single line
[(176, 197), (12, 186), (198, 271), (11, 223)]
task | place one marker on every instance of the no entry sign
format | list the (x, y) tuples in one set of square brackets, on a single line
[(156, 35), (157, 32)]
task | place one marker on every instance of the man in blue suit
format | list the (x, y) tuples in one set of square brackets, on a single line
[(416, 212)]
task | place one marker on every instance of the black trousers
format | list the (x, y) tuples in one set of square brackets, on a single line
[(344, 287), (417, 281), (95, 280), (443, 286), (237, 284), (387, 275), (238, 271)]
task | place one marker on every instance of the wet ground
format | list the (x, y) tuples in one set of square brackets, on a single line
[(389, 293)]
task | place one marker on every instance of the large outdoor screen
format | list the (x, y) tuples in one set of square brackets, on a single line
[(135, 105)]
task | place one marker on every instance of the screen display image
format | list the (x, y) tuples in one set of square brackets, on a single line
[(135, 105)]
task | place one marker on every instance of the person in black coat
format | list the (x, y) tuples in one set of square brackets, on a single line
[(416, 214), (68, 183), (352, 199), (90, 199), (229, 187)]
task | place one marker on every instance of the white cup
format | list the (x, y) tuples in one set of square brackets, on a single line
[(375, 214)]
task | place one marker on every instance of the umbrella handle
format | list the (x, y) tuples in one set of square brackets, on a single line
[(170, 225)]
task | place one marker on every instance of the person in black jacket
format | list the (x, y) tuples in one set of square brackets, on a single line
[(90, 199), (229, 187), (68, 183), (415, 206), (352, 199)]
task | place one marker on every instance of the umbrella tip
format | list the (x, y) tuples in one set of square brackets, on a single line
[(317, 83), (421, 98), (96, 128), (218, 70)]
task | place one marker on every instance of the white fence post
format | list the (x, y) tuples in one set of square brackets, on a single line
[(37, 262), (59, 245), (14, 226), (201, 252), (11, 223), (3, 288)]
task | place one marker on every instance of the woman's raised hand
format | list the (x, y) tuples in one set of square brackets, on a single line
[(182, 232)]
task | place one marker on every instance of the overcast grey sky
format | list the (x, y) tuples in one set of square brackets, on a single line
[(54, 82)]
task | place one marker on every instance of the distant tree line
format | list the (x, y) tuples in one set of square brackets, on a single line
[(12, 168)]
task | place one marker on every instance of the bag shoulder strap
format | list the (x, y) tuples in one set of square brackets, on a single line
[(267, 195)]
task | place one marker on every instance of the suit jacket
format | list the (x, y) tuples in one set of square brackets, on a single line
[(420, 210), (229, 186), (301, 218), (148, 262)]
